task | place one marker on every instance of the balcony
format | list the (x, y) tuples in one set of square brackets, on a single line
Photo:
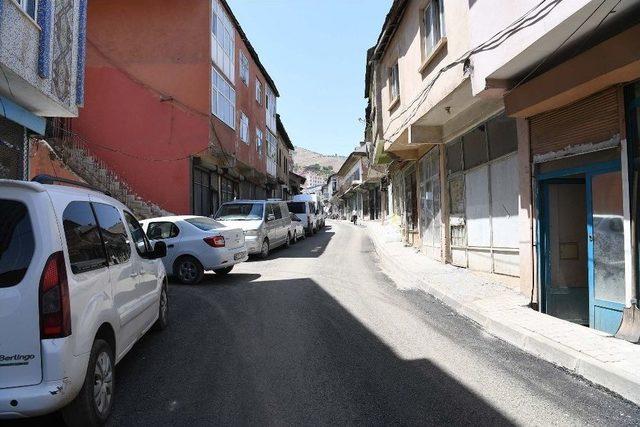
[(41, 56)]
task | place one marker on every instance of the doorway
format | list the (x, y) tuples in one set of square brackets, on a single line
[(582, 245)]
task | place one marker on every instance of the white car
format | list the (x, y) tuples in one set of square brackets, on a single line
[(80, 284), (296, 228), (265, 223), (196, 244)]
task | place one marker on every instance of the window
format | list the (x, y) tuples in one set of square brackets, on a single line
[(114, 236), (270, 106), (277, 212), (16, 242), (205, 224), (454, 157), (272, 146), (503, 136), (162, 230), (85, 247), (223, 99), (29, 6), (137, 234), (240, 211), (433, 26), (259, 142), (244, 69), (297, 207), (258, 91), (222, 41), (205, 197), (244, 128), (475, 147), (394, 81), (229, 189)]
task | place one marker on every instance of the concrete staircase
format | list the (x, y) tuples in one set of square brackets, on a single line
[(96, 173)]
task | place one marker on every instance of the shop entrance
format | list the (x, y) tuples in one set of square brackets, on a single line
[(582, 245)]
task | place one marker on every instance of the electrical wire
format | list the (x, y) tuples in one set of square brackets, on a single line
[(494, 41), (173, 100), (546, 58), (71, 134)]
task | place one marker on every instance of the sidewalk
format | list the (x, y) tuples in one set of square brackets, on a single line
[(503, 312)]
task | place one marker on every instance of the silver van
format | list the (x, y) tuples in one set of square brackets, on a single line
[(266, 223)]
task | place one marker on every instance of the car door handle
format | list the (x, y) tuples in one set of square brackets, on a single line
[(169, 246)]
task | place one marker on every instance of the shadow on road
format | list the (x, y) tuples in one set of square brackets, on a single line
[(309, 247), (280, 353)]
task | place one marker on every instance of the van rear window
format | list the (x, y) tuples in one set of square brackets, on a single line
[(16, 242), (297, 207)]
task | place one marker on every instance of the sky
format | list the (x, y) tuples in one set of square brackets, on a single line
[(315, 51)]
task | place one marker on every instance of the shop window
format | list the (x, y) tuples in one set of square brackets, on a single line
[(503, 136), (456, 195), (204, 194), (454, 157), (504, 202), (478, 223), (475, 147)]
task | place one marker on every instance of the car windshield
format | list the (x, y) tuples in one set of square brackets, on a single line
[(240, 212), (204, 223), (297, 207)]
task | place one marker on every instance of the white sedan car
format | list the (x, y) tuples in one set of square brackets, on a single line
[(195, 244)]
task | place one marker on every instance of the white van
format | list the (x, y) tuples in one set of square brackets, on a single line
[(316, 215), (79, 285), (266, 223), (304, 210)]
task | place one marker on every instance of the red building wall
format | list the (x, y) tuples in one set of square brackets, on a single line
[(147, 93)]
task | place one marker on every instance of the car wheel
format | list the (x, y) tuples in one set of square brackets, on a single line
[(94, 402), (188, 270), (295, 236), (223, 271), (287, 243), (264, 250), (163, 310)]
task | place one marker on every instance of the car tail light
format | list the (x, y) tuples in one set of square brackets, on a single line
[(215, 241), (55, 312)]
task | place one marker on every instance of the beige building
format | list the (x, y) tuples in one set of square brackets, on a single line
[(510, 133)]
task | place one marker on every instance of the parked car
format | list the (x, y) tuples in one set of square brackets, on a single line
[(80, 283), (297, 228), (196, 244), (305, 210), (266, 224)]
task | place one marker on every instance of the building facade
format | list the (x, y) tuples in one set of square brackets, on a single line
[(511, 148), (186, 94), (285, 161), (42, 45)]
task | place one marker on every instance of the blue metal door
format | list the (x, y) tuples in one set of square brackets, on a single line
[(582, 271), (606, 249)]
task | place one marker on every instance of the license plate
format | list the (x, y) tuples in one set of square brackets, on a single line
[(238, 255)]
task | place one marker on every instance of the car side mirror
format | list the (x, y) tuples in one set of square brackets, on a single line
[(271, 217), (159, 250)]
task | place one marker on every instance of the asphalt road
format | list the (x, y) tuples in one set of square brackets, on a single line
[(318, 335)]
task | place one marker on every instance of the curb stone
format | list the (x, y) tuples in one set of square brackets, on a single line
[(611, 378)]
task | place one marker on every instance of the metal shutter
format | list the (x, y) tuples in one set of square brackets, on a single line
[(591, 120), (11, 149)]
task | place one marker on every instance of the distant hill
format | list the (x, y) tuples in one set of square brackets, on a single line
[(306, 160)]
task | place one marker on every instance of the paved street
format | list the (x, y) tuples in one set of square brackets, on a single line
[(317, 334)]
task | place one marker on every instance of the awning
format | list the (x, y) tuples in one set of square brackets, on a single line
[(19, 115)]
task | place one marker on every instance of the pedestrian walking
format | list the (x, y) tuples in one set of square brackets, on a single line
[(354, 217)]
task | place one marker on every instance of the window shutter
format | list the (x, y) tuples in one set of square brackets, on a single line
[(589, 121)]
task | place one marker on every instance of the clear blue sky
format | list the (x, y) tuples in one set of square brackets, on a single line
[(315, 51)]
